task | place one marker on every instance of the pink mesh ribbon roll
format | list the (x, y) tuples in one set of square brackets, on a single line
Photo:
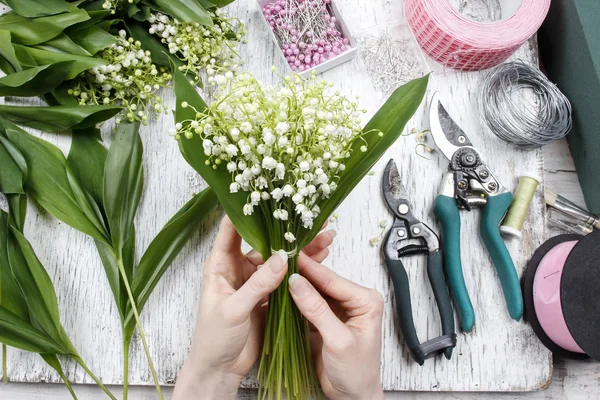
[(458, 42)]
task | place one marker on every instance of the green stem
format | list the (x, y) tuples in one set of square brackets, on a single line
[(139, 326), (4, 367), (67, 384), (126, 343), (79, 361)]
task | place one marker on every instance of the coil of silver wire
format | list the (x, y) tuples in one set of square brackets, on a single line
[(521, 106)]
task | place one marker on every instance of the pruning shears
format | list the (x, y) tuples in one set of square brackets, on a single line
[(406, 226), (469, 184)]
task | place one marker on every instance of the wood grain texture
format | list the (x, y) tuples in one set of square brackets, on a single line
[(500, 355)]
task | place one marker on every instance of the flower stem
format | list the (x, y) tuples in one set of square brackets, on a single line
[(4, 367), (126, 343), (139, 326), (286, 363), (79, 361), (67, 384)]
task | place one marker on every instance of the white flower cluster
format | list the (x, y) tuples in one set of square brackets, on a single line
[(200, 47), (285, 145), (129, 79)]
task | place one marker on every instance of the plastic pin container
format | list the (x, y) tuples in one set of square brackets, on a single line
[(341, 58)]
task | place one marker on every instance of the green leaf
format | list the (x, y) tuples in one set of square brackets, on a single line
[(17, 204), (391, 120), (35, 81), (166, 246), (86, 159), (218, 3), (8, 59), (184, 10), (111, 269), (51, 184), (11, 297), (36, 285), (19, 333), (43, 57), (123, 182), (30, 31), (93, 39), (37, 8), (58, 118), (63, 43), (251, 227), (13, 167)]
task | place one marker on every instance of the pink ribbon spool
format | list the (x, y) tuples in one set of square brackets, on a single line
[(460, 43), (547, 300)]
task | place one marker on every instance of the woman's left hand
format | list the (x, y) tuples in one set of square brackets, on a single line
[(232, 313)]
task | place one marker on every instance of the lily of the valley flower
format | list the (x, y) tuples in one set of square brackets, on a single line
[(285, 145), (129, 79), (202, 47)]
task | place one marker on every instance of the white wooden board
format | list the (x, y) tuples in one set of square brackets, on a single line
[(500, 355)]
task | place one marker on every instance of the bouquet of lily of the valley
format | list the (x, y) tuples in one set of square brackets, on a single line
[(281, 159)]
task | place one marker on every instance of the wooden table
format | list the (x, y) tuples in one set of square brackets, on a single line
[(501, 355)]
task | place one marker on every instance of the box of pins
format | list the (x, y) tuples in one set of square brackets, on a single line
[(311, 34)]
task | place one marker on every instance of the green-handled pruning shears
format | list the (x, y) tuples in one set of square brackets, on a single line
[(407, 226), (468, 184)]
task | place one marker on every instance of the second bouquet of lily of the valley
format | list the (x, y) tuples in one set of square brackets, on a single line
[(281, 159)]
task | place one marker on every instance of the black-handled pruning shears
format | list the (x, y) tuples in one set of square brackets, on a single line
[(469, 184), (405, 227)]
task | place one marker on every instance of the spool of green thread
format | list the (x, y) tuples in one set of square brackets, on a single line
[(517, 213)]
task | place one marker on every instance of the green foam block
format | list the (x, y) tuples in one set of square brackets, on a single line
[(570, 46)]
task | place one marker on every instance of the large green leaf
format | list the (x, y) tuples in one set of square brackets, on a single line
[(391, 120), (18, 332), (58, 118), (35, 81), (86, 159), (184, 10), (17, 204), (93, 39), (215, 3), (8, 59), (166, 246), (123, 182), (30, 31), (11, 297), (36, 286), (63, 43), (251, 227), (37, 8), (13, 167), (51, 184), (43, 57)]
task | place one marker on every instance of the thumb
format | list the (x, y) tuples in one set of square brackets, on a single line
[(316, 310), (261, 283)]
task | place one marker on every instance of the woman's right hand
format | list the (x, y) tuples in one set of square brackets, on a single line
[(345, 331)]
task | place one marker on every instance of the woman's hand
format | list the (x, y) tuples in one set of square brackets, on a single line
[(345, 332), (230, 326)]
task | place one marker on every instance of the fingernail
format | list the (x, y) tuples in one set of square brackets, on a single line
[(276, 263), (298, 285), (283, 254), (333, 233)]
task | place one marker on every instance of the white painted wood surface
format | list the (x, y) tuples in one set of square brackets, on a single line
[(500, 355)]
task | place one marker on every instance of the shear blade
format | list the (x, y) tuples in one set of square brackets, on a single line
[(448, 136), (392, 184)]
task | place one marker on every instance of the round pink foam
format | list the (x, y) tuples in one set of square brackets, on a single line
[(546, 297)]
